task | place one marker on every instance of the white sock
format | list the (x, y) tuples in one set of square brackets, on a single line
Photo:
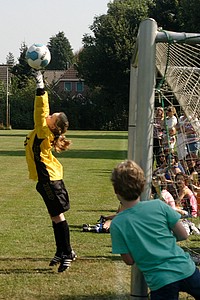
[(39, 80)]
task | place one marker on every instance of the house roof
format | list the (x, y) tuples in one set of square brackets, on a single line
[(5, 73), (55, 76), (51, 76), (70, 74)]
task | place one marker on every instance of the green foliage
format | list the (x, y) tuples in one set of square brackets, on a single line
[(166, 14), (93, 111), (105, 59), (189, 15), (61, 52), (10, 59), (21, 103), (22, 71)]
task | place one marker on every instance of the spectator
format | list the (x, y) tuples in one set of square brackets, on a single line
[(197, 168), (181, 138), (170, 172), (161, 163), (191, 159), (187, 138), (169, 140), (186, 198), (162, 193), (171, 119), (158, 132), (192, 139), (173, 167)]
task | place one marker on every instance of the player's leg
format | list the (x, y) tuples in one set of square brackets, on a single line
[(191, 285), (169, 291)]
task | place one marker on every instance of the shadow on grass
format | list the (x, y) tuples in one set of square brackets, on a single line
[(26, 271), (13, 135), (95, 154), (12, 153), (86, 154), (48, 270), (94, 297), (42, 259), (100, 136), (96, 210)]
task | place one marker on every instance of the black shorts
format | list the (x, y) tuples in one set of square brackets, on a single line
[(55, 196)]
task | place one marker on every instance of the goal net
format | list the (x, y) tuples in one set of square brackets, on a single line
[(179, 65)]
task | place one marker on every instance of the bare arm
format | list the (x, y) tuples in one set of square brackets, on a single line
[(127, 258), (179, 232), (182, 193)]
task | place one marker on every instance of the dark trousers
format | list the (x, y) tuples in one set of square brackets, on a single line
[(190, 285)]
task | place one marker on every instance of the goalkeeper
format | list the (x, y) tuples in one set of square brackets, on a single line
[(43, 167), (146, 232)]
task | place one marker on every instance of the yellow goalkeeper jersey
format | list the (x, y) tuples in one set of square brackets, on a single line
[(42, 165)]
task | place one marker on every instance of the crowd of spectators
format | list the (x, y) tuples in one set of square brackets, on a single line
[(176, 167)]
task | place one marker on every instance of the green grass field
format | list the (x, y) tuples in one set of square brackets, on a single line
[(26, 236)]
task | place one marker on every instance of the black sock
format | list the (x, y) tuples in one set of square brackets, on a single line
[(58, 241), (62, 231)]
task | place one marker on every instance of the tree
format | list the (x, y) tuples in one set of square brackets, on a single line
[(104, 61), (21, 103), (189, 15), (10, 59), (22, 70), (61, 52), (166, 14)]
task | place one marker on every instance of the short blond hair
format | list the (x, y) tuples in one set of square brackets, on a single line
[(128, 180), (172, 109)]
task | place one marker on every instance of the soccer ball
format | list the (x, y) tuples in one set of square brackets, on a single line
[(38, 56)]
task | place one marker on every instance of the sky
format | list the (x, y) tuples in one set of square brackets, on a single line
[(34, 21)]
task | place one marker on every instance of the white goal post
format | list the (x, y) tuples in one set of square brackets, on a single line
[(181, 71)]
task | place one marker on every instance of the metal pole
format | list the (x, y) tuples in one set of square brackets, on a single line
[(132, 112), (7, 103), (143, 149), (179, 37)]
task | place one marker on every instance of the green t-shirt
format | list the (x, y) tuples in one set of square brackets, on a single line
[(144, 231)]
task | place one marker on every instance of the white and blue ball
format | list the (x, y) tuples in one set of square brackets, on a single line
[(38, 56)]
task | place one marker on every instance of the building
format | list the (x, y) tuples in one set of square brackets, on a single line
[(66, 80), (5, 74), (62, 80)]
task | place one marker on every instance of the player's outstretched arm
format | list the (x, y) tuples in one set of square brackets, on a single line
[(127, 258), (39, 79), (179, 232)]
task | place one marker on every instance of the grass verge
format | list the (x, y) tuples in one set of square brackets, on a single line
[(27, 242)]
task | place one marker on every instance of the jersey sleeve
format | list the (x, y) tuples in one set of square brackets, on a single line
[(41, 112)]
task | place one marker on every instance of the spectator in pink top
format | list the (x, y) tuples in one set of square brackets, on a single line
[(186, 198), (160, 185)]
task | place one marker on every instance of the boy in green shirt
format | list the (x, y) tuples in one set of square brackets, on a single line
[(146, 232)]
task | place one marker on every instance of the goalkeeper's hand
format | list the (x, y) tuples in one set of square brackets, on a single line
[(39, 79)]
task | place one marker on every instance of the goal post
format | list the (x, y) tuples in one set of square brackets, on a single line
[(140, 129), (148, 59)]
